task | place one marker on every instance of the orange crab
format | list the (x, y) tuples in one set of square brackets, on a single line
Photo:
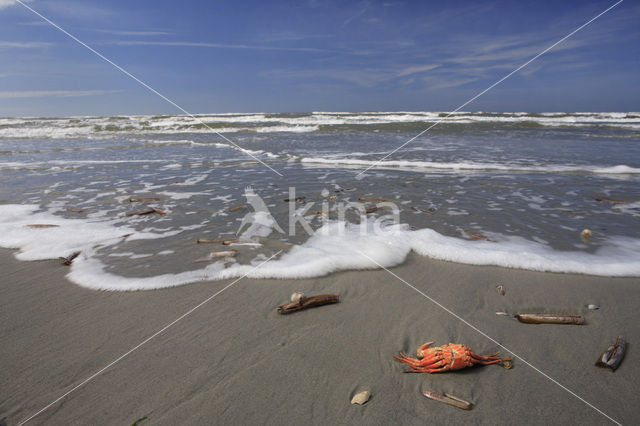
[(445, 358)]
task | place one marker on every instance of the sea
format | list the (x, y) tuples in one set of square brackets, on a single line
[(305, 195)]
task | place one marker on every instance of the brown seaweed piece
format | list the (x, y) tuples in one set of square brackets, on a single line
[(67, 260), (373, 199), (145, 212), (479, 237), (449, 399), (423, 210), (613, 356), (300, 199), (237, 208), (308, 302), (41, 226), (144, 200), (550, 319), (210, 240), (611, 200)]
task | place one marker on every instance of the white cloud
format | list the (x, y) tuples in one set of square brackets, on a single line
[(7, 3), (417, 69), (54, 93), (23, 44)]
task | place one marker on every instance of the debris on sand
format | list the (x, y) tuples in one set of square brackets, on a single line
[(217, 255), (612, 357), (237, 208), (210, 240), (69, 259), (586, 235), (550, 319), (308, 302), (449, 399), (500, 288), (361, 397), (295, 297), (41, 226)]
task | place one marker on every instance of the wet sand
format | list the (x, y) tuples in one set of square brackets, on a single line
[(236, 361)]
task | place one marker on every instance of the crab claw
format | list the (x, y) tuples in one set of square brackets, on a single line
[(422, 348)]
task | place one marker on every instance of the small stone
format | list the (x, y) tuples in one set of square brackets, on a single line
[(295, 297), (593, 307), (361, 397)]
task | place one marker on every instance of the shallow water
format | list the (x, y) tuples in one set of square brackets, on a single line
[(526, 182)]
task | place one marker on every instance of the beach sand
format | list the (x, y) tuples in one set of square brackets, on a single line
[(236, 361)]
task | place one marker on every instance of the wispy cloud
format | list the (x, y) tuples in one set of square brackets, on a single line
[(134, 33), (417, 69), (437, 83), (358, 77), (213, 45), (290, 36), (24, 44), (78, 10), (7, 3), (54, 93)]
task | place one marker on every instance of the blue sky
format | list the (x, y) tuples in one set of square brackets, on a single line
[(317, 55)]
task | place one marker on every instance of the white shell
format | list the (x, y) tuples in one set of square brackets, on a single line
[(593, 307), (361, 397), (586, 235), (295, 297)]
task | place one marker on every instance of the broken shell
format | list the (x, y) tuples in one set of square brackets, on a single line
[(361, 397), (507, 364), (586, 235), (295, 297), (500, 288), (593, 307)]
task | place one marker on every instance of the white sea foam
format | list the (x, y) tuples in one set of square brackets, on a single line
[(262, 123), (462, 166), (335, 247)]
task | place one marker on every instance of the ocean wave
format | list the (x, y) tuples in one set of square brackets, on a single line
[(465, 166), (73, 127)]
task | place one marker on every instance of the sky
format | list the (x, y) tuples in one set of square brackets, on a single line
[(315, 55)]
